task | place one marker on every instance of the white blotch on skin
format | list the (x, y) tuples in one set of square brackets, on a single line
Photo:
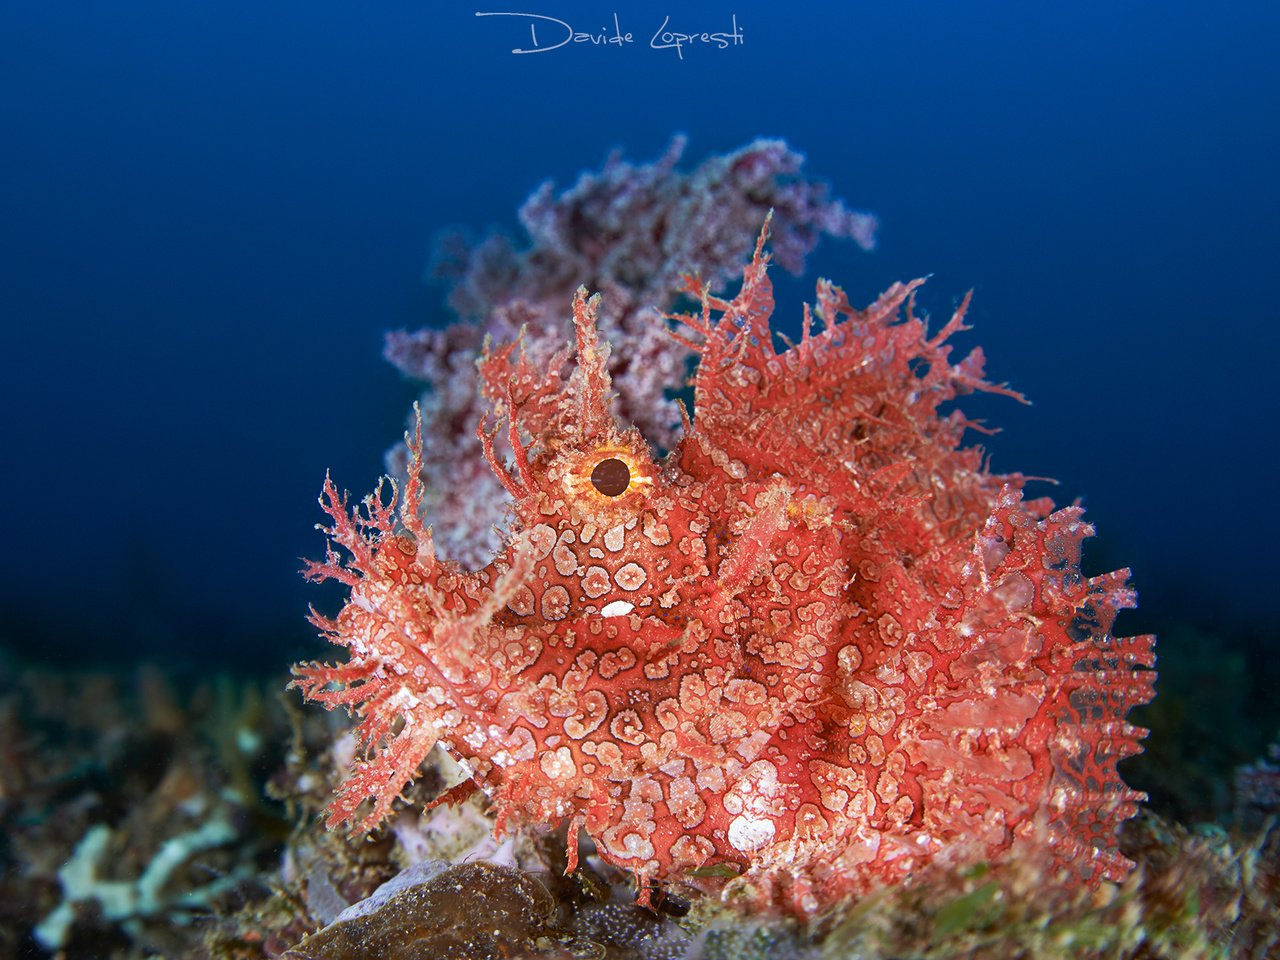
[(618, 608), (748, 834)]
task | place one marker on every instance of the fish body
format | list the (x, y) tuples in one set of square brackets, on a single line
[(816, 646)]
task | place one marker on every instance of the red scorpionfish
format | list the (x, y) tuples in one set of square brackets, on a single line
[(817, 645)]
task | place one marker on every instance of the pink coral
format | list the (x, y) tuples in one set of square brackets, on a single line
[(629, 231), (817, 644)]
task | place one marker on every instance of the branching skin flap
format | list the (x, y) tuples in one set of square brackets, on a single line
[(817, 645)]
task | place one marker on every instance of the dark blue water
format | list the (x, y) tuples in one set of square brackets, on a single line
[(212, 210)]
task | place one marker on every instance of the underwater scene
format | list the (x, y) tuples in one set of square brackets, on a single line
[(606, 481)]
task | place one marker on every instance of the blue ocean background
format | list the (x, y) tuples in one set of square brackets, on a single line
[(213, 210)]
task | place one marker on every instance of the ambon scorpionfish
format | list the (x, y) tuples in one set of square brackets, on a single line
[(816, 645)]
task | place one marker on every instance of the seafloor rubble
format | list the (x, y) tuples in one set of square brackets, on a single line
[(155, 762), (147, 815)]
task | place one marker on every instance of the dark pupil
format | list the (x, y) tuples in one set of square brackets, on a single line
[(611, 477)]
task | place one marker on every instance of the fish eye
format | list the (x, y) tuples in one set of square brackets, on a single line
[(611, 477)]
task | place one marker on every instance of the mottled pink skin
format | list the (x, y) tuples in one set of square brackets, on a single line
[(817, 645)]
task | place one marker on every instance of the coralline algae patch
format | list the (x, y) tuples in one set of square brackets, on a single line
[(817, 645)]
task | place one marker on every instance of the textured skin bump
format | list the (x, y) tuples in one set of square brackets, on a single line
[(817, 645)]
